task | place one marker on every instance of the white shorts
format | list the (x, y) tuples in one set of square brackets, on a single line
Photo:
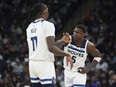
[(42, 71), (74, 79)]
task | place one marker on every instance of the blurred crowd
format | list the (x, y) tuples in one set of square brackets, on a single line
[(101, 24)]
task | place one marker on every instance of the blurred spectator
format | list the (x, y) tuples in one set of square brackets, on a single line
[(17, 67), (95, 82), (102, 65)]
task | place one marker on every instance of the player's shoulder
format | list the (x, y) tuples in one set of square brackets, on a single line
[(29, 27), (48, 25), (90, 44), (45, 22)]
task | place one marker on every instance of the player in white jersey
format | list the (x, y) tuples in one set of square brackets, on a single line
[(41, 44), (78, 47)]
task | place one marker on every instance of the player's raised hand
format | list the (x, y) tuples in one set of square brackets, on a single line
[(69, 60), (83, 70), (66, 37)]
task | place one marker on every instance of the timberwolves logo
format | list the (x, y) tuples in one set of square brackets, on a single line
[(53, 81)]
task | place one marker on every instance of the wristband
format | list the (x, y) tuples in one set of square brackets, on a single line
[(98, 59)]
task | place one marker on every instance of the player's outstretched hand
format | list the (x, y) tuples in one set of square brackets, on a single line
[(83, 70), (69, 60), (66, 37)]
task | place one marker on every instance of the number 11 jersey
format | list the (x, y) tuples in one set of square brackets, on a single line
[(37, 32)]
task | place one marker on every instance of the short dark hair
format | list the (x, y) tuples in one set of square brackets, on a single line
[(82, 27)]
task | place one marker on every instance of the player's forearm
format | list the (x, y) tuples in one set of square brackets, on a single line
[(92, 65), (57, 52), (53, 48), (59, 43)]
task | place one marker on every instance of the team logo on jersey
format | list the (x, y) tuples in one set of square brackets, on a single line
[(75, 53)]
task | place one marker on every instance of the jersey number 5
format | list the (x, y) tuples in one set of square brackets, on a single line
[(34, 42), (74, 59)]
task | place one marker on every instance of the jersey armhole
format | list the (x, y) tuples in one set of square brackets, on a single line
[(86, 46)]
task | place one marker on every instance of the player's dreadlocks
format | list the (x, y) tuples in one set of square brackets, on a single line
[(36, 11)]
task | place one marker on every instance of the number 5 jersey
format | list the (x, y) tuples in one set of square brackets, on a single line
[(78, 54)]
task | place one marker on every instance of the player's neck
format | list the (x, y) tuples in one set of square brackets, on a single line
[(40, 17), (79, 42)]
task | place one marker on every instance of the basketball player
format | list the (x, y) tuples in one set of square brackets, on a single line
[(78, 47), (41, 43)]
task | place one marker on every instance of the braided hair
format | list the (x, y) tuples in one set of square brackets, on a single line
[(36, 11)]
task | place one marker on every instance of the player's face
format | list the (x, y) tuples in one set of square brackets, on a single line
[(78, 33)]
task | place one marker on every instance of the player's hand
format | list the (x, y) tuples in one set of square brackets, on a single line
[(66, 37), (69, 60), (83, 70)]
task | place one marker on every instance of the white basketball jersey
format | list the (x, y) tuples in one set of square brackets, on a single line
[(37, 32), (78, 54)]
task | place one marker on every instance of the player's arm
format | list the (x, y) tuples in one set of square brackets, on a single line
[(53, 48), (49, 31), (95, 53), (56, 51), (97, 57), (64, 40)]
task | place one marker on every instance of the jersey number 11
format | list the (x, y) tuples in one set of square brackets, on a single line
[(34, 42)]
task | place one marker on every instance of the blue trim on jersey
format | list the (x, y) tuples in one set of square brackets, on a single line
[(37, 20), (76, 49), (43, 80), (80, 85), (74, 43), (34, 78)]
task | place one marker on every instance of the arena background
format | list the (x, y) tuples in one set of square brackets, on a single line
[(98, 15)]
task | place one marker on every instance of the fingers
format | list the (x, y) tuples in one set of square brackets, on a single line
[(63, 34), (71, 65), (66, 34), (66, 37), (69, 60), (80, 70)]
